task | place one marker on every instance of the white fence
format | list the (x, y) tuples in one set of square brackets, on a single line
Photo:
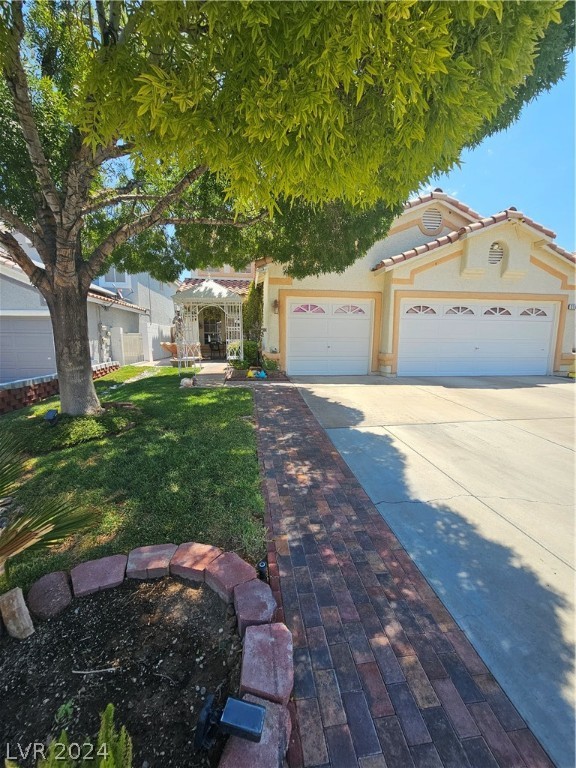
[(132, 348)]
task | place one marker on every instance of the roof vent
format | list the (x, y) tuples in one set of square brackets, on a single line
[(432, 220), (495, 254), (512, 208), (438, 189)]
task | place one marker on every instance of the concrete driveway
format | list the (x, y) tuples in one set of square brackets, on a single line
[(476, 478)]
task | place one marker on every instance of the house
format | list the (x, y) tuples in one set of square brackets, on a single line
[(447, 293), (227, 272), (128, 318)]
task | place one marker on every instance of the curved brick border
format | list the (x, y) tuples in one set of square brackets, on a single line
[(267, 673)]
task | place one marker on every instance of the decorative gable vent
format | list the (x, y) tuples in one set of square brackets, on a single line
[(495, 254), (432, 219)]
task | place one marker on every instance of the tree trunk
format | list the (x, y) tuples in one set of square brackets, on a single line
[(69, 312)]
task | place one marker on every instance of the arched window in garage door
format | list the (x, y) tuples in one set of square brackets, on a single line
[(420, 309), (498, 311), (534, 312), (349, 309), (459, 311), (308, 308)]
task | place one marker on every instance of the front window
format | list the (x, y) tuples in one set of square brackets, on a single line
[(116, 276)]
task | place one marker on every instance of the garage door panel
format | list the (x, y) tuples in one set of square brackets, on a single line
[(347, 348), (339, 366), (470, 366), (26, 348), (475, 345), (300, 327), (334, 342), (308, 347), (349, 328)]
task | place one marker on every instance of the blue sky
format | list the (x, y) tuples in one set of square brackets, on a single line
[(530, 166)]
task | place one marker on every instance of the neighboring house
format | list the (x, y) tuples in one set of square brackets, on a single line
[(448, 293), (226, 271), (128, 317)]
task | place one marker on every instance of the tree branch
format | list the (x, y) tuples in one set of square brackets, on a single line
[(18, 86), (126, 231), (104, 202), (36, 274), (215, 222), (16, 223), (112, 152)]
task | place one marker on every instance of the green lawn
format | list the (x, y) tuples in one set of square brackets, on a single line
[(187, 471)]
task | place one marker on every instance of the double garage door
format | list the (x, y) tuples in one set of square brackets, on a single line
[(328, 337), (474, 338)]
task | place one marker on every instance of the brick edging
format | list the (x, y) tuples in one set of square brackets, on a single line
[(19, 394), (267, 672)]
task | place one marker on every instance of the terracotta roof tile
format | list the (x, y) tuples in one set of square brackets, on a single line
[(470, 228), (562, 252), (237, 284), (117, 302), (423, 199)]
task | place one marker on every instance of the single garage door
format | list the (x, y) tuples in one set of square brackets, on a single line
[(475, 338), (328, 337), (26, 348)]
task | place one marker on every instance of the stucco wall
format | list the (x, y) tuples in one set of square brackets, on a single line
[(15, 294), (155, 296), (356, 280)]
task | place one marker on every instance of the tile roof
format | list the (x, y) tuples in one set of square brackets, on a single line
[(510, 214), (438, 194), (237, 284), (94, 294)]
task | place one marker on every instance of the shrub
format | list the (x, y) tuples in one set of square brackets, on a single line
[(112, 749), (251, 354), (252, 312), (270, 365)]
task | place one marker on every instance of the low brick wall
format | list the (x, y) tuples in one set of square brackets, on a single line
[(19, 394)]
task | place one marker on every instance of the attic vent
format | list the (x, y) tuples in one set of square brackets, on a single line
[(432, 219), (495, 254)]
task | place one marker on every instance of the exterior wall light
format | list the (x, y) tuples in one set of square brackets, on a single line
[(275, 306)]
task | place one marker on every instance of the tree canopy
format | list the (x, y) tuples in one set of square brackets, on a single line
[(286, 107), (169, 135)]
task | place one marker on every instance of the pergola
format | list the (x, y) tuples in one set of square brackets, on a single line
[(189, 303)]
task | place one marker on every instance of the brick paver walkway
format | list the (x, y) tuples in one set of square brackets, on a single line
[(384, 678)]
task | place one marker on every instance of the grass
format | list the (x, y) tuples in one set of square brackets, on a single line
[(186, 471)]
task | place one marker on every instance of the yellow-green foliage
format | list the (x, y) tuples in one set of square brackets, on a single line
[(355, 100), (112, 749)]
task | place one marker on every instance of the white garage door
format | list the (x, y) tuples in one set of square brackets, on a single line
[(328, 337), (26, 348), (475, 338)]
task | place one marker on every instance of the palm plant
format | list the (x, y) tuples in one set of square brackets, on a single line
[(45, 522)]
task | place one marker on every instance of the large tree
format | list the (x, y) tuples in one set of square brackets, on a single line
[(164, 135)]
